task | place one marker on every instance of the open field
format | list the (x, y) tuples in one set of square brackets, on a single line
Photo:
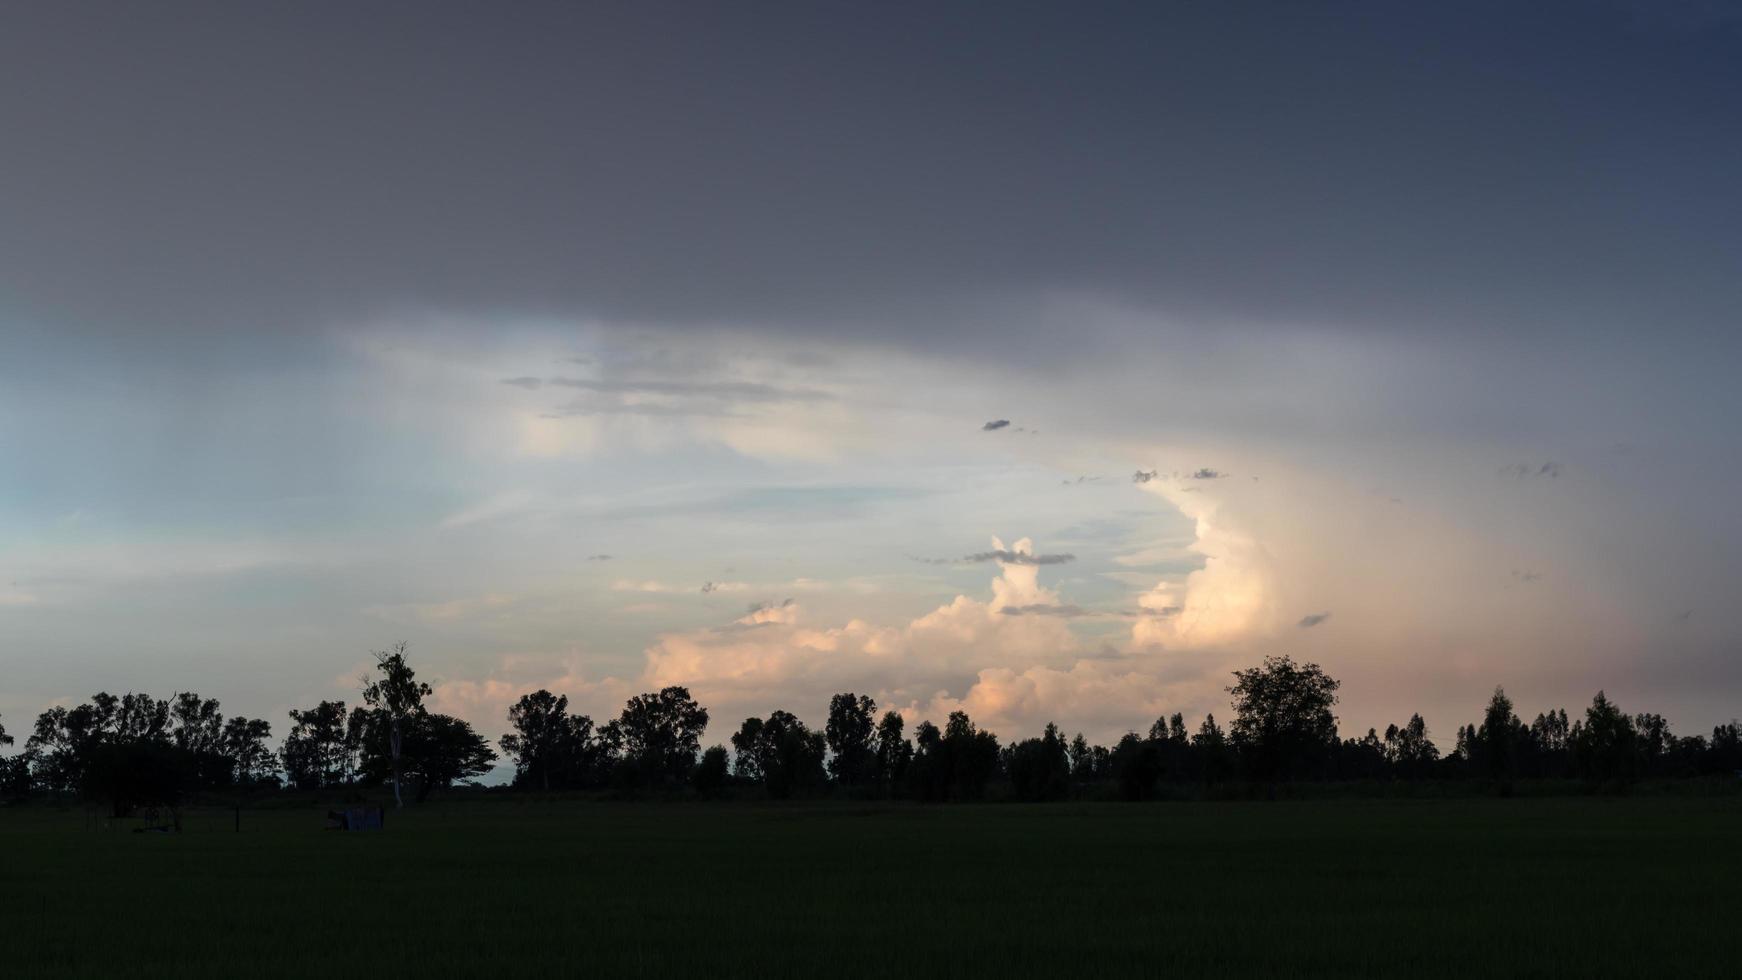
[(493, 887)]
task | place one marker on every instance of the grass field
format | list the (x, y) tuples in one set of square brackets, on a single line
[(492, 887)]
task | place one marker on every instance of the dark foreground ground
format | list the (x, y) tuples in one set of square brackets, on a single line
[(1453, 888)]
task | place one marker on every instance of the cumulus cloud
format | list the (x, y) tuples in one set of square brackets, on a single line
[(1231, 597), (1312, 619)]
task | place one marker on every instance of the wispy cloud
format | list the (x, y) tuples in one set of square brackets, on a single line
[(1044, 609), (743, 391), (626, 585), (1314, 619), (1003, 557)]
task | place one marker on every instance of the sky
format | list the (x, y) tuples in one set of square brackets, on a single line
[(1044, 361)]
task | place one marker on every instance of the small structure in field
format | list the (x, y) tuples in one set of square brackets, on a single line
[(357, 818)]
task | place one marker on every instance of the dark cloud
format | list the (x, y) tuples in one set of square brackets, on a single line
[(1208, 474), (529, 383), (1007, 557), (1144, 476), (1147, 612), (1525, 471), (994, 425), (1044, 609), (576, 164), (756, 607), (1526, 576), (1079, 481), (599, 557), (1309, 621)]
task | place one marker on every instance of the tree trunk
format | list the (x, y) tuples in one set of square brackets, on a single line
[(393, 743)]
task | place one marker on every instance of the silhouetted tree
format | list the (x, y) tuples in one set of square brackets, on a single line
[(711, 772), (1039, 768), (1496, 744), (398, 695), (972, 756), (851, 737), (894, 753), (1549, 745), (243, 746), (67, 740), (1724, 752), (781, 753), (1210, 747), (440, 750), (1410, 750), (197, 728), (322, 744), (1283, 721), (1082, 759), (542, 738), (928, 773), (1137, 765), (1656, 744), (660, 734), (1606, 748)]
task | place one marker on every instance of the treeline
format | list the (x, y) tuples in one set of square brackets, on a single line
[(134, 751), (1283, 728)]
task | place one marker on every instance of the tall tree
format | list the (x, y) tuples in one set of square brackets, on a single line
[(780, 752), (851, 734), (1210, 747), (971, 756), (894, 753), (1039, 768), (398, 695), (440, 750), (1283, 719), (541, 736), (243, 744), (320, 748), (1607, 745), (197, 728), (1497, 741), (660, 734)]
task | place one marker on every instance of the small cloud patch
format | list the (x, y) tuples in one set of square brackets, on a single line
[(1044, 609), (1309, 621)]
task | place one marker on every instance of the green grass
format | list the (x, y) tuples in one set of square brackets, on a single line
[(495, 887)]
